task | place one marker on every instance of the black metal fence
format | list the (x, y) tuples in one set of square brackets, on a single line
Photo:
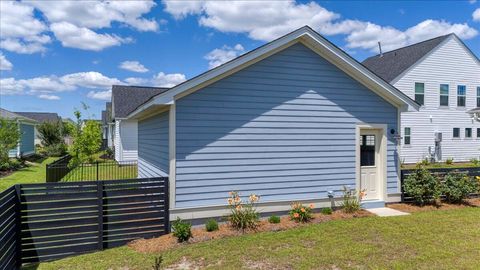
[(99, 170), (49, 221), (440, 172)]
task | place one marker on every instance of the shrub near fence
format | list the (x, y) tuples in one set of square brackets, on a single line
[(41, 222), (439, 172)]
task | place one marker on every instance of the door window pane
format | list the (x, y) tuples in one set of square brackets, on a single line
[(367, 150)]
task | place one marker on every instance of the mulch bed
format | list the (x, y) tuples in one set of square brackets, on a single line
[(412, 208), (168, 241)]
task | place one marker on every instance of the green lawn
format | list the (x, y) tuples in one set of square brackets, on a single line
[(35, 173), (427, 240), (106, 171)]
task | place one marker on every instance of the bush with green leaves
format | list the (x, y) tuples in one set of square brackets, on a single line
[(11, 164), (211, 225), (475, 161), (457, 186), (274, 219), (300, 212), (56, 150), (51, 133), (449, 161), (9, 138), (181, 230), (87, 140), (326, 211), (422, 186)]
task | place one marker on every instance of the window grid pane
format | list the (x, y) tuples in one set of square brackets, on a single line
[(419, 88), (478, 132), (407, 137), (456, 132), (443, 94), (461, 92), (468, 133)]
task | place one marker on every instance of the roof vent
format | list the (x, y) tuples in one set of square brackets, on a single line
[(380, 48)]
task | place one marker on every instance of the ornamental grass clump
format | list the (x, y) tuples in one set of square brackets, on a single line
[(243, 214), (351, 202), (301, 213)]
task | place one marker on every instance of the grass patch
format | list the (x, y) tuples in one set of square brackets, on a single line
[(424, 240), (106, 171), (438, 165), (33, 173)]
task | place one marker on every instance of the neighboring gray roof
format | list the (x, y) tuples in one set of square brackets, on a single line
[(104, 117), (41, 117), (13, 116), (127, 98), (391, 64)]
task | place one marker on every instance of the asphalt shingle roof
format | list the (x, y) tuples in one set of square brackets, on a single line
[(127, 98), (41, 117), (13, 116), (391, 64)]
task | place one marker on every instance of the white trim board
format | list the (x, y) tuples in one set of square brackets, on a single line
[(306, 36)]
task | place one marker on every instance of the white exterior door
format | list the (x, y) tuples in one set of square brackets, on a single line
[(370, 164)]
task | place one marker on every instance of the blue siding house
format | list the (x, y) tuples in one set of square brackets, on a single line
[(290, 121), (26, 146)]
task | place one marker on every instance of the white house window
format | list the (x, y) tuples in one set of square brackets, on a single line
[(456, 132), (478, 132), (468, 132), (461, 93), (407, 137), (478, 96), (420, 93), (443, 94)]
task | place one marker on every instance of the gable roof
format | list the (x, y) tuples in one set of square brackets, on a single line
[(41, 116), (125, 98), (304, 35), (14, 116), (390, 65)]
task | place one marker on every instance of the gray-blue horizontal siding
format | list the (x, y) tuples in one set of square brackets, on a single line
[(153, 157), (27, 140), (283, 128)]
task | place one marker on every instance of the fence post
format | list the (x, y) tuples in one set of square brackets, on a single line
[(100, 214), (97, 170), (18, 224)]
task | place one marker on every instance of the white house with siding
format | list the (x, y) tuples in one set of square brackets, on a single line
[(124, 137), (290, 121), (443, 76)]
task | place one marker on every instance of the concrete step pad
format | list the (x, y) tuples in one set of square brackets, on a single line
[(386, 212)]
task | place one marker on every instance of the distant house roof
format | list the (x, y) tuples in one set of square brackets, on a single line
[(41, 117), (14, 116), (390, 65), (104, 117), (128, 98)]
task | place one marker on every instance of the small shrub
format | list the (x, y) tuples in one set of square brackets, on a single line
[(351, 202), (243, 215), (157, 265), (449, 161), (182, 230), (475, 161), (424, 162), (326, 211), (422, 186), (457, 186), (211, 225), (11, 165), (56, 150), (274, 219), (301, 213)]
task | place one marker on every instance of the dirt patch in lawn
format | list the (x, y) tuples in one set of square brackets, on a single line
[(411, 208), (168, 241)]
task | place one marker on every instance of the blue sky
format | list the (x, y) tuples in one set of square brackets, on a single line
[(56, 54)]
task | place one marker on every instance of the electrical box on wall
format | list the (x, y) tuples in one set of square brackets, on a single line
[(438, 136)]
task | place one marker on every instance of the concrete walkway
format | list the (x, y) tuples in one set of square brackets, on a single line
[(386, 212)]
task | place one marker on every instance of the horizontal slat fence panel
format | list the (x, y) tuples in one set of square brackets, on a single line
[(9, 229), (439, 172), (41, 222)]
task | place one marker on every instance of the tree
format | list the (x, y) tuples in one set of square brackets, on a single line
[(9, 137), (51, 133), (87, 140)]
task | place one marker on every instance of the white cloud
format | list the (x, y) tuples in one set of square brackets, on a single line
[(21, 31), (44, 84), (10, 86), (4, 63), (83, 38), (134, 66), (267, 20), (49, 97), (168, 80), (226, 53), (137, 81), (476, 15), (472, 1), (101, 95), (90, 79)]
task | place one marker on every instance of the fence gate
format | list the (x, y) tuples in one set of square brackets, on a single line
[(48, 221)]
